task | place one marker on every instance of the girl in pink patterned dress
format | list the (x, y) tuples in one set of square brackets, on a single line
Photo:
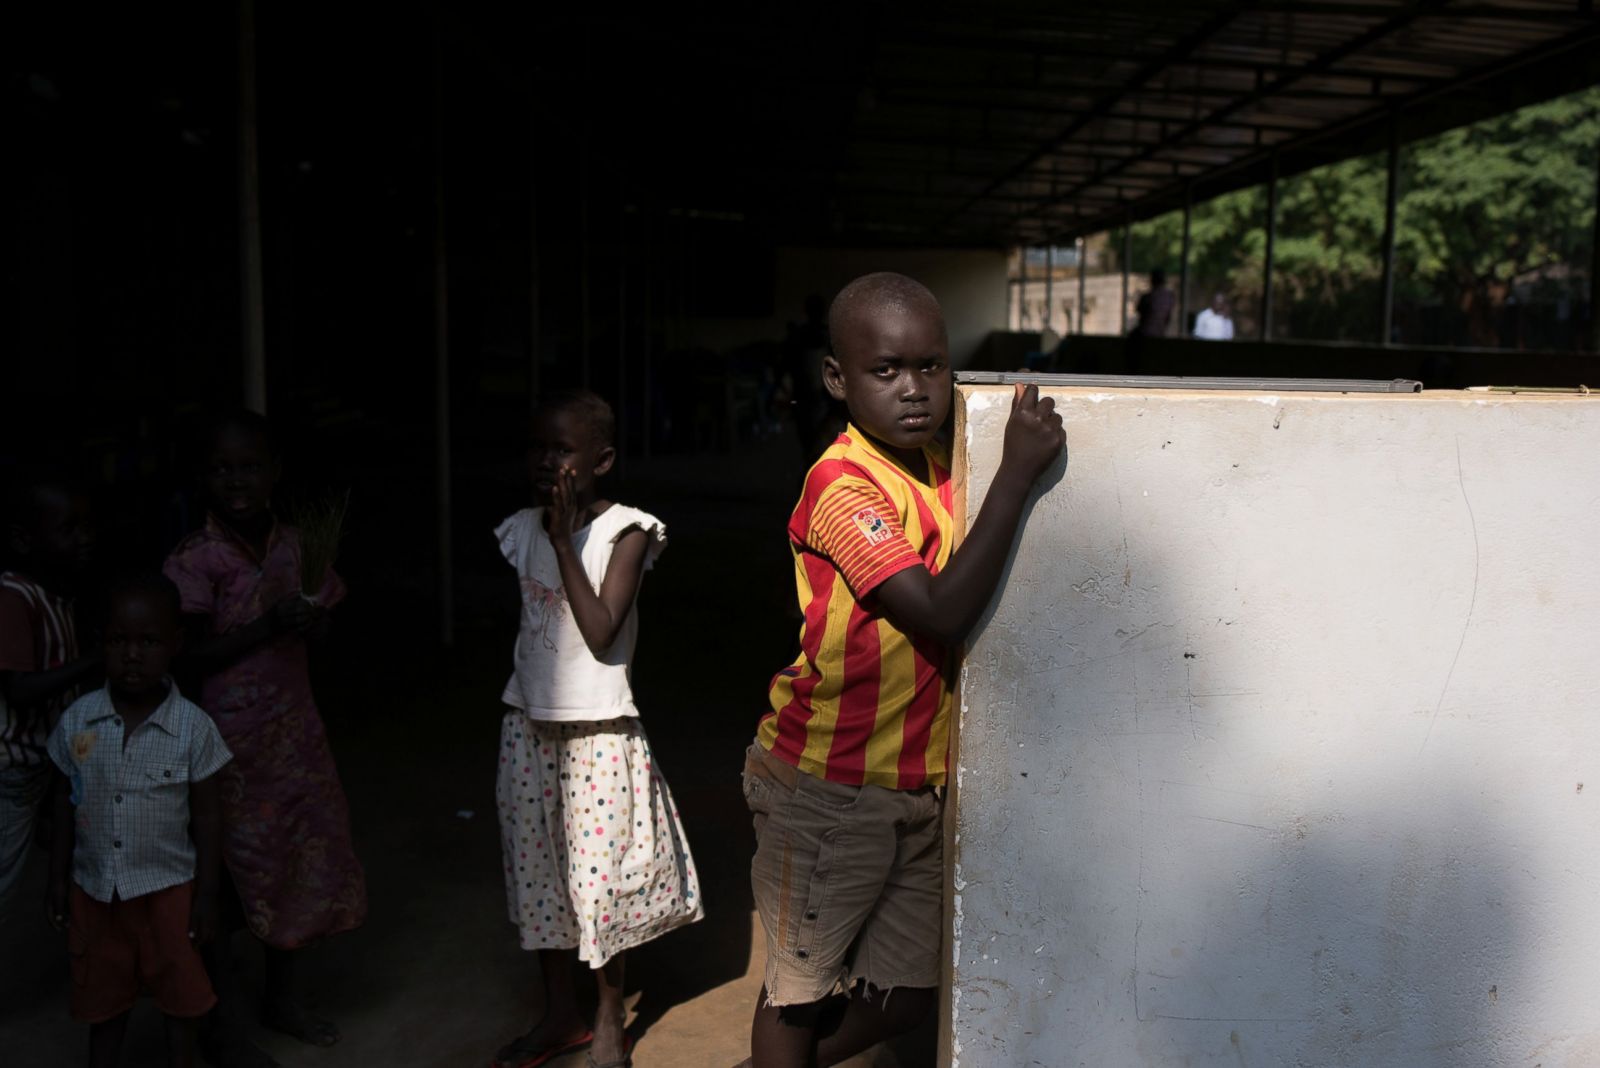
[(595, 858), (286, 825)]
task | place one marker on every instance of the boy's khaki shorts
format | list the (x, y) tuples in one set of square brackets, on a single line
[(849, 881)]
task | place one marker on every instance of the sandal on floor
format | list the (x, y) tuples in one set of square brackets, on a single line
[(625, 1062), (533, 1060)]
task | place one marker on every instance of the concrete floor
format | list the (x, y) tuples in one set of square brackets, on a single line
[(434, 979)]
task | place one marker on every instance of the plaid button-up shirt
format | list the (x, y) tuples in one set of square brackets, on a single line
[(132, 800)]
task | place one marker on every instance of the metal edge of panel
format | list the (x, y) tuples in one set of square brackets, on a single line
[(1273, 385), (945, 1052)]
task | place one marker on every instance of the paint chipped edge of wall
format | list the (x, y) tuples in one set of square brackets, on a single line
[(949, 1049), (969, 400)]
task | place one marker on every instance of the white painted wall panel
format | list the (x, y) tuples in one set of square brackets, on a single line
[(1273, 750)]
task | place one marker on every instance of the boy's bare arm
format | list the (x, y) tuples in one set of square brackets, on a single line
[(62, 838), (23, 689), (205, 823), (947, 605)]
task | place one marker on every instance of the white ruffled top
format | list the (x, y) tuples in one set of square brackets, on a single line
[(555, 676)]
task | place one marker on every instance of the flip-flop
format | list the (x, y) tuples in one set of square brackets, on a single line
[(625, 1062), (544, 1056)]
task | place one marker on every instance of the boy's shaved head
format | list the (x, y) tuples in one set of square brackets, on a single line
[(879, 291), (149, 584), (889, 362)]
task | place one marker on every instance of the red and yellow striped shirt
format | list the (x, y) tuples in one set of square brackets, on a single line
[(864, 702)]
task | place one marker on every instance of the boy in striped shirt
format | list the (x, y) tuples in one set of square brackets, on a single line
[(50, 535), (846, 778)]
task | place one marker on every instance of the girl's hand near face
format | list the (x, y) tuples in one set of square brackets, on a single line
[(564, 512)]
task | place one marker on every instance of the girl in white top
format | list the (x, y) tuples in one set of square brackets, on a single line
[(595, 858)]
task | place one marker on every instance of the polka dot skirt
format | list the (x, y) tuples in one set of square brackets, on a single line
[(595, 857)]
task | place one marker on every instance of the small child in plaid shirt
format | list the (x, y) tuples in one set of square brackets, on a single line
[(137, 766)]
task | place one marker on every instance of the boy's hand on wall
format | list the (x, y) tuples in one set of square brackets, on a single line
[(1034, 435), (946, 606)]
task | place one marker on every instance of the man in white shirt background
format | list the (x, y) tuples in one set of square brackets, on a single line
[(1214, 323)]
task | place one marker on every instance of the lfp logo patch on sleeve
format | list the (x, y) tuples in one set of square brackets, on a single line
[(872, 526)]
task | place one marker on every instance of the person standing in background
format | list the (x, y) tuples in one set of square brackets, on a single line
[(596, 862), (1214, 323), (50, 538), (136, 836), (286, 824), (1155, 307)]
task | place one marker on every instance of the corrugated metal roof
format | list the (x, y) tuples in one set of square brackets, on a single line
[(1064, 122), (1025, 121)]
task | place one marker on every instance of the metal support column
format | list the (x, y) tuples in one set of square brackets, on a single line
[(1272, 240), (622, 328), (441, 360), (533, 287), (583, 268), (252, 319), (1022, 288), (1594, 268), (1183, 264), (647, 341), (1049, 284), (536, 145), (584, 326), (1127, 257), (1391, 203), (1083, 267), (681, 280)]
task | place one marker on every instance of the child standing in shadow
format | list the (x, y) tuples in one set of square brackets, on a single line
[(595, 858), (286, 824)]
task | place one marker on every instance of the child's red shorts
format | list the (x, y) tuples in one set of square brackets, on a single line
[(122, 949)]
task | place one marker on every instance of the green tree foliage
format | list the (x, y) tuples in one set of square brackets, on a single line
[(1498, 204), (1502, 206)]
